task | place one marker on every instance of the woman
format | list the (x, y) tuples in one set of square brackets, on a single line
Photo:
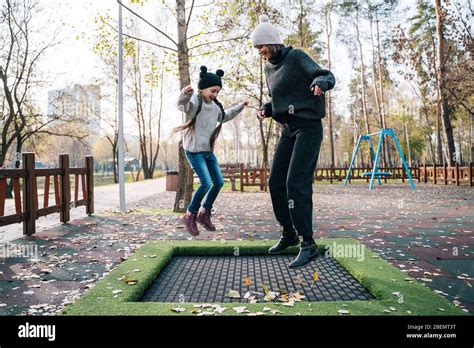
[(297, 86)]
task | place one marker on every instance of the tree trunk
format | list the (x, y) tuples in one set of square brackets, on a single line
[(19, 146), (185, 178), (439, 140), (443, 100), (362, 79), (329, 101), (381, 91), (407, 140)]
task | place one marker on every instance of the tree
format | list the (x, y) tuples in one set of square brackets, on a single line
[(442, 92), (21, 50)]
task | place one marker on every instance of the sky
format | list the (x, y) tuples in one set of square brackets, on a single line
[(74, 62)]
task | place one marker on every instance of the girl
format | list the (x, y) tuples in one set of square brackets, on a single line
[(297, 85), (204, 112)]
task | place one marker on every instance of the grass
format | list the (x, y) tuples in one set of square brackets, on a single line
[(379, 277)]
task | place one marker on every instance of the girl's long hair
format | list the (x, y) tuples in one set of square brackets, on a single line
[(189, 125)]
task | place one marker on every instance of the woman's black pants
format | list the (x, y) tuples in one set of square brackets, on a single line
[(291, 174)]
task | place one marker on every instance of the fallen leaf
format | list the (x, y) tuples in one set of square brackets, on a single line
[(240, 310), (234, 294), (248, 281), (129, 281), (296, 297), (270, 295), (343, 311), (178, 309), (218, 309)]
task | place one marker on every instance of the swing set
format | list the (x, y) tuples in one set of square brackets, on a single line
[(375, 158)]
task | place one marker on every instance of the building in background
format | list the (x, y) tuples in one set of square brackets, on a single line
[(79, 103)]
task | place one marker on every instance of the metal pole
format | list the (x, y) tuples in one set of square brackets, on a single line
[(121, 173)]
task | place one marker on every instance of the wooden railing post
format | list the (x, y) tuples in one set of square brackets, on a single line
[(241, 177), (29, 194), (90, 185), (425, 179), (435, 174), (65, 188), (456, 168), (445, 173), (470, 174)]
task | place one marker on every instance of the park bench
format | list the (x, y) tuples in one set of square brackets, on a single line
[(253, 177), (232, 172)]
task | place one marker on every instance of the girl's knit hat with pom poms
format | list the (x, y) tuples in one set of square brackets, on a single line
[(209, 79), (265, 33)]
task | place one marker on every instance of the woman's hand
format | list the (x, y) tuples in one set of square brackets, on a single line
[(261, 115), (188, 89), (317, 91)]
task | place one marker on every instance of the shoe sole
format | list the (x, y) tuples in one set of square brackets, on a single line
[(282, 250), (309, 261)]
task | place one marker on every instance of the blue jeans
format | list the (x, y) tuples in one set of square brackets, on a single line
[(207, 169)]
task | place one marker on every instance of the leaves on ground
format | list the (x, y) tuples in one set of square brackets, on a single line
[(234, 294)]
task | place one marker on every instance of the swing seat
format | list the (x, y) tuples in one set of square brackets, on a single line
[(377, 174)]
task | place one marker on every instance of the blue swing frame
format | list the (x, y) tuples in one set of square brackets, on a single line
[(375, 173)]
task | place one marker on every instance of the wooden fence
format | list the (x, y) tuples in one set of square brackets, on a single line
[(250, 176), (27, 210), (427, 173)]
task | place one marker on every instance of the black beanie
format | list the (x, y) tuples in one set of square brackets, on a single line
[(209, 79)]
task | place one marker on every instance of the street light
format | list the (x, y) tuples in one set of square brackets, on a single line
[(121, 171)]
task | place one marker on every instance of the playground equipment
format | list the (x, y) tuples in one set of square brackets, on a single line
[(375, 173)]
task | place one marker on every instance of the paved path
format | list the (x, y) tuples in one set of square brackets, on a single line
[(106, 198)]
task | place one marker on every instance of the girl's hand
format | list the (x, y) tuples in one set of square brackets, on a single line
[(261, 115), (245, 103), (188, 89), (317, 91)]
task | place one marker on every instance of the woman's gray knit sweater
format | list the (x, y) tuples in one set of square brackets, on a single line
[(289, 80)]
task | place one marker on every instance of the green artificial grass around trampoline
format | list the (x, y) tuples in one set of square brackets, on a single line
[(394, 292)]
